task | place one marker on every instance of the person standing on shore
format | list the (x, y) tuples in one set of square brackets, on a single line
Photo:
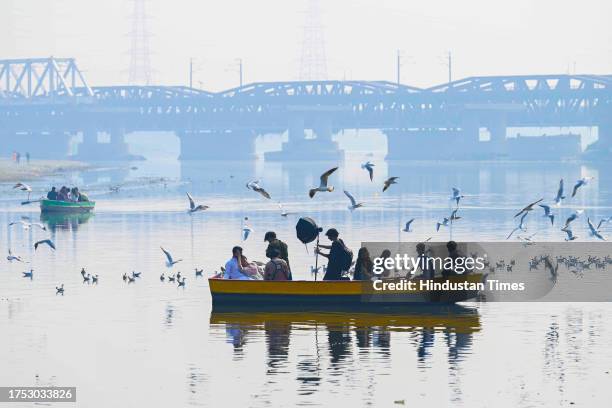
[(28, 157), (17, 157)]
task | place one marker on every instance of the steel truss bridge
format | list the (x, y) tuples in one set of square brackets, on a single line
[(52, 95)]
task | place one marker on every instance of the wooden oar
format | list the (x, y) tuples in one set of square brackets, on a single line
[(32, 201)]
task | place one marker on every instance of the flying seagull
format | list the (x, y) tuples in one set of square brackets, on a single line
[(408, 224), (23, 187), (444, 223), (528, 208), (454, 216), (59, 290), (44, 241), (29, 274), (369, 166), (603, 221), (388, 182), (548, 213), (582, 182), (520, 227), (169, 261), (12, 257), (323, 183), (456, 195), (254, 185), (594, 231), (573, 217), (193, 208), (570, 234), (560, 195), (354, 204)]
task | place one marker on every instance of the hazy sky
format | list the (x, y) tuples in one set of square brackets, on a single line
[(486, 37)]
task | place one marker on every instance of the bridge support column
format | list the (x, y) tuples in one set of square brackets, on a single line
[(498, 143), (114, 149), (601, 150), (322, 147), (218, 145), (40, 145)]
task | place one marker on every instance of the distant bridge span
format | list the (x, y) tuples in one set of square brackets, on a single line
[(51, 96)]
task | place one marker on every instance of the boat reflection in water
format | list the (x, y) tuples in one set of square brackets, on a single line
[(336, 336), (63, 221)]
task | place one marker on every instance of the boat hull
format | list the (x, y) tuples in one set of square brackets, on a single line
[(66, 207), (331, 293)]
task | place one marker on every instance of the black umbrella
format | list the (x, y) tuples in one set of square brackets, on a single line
[(307, 231)]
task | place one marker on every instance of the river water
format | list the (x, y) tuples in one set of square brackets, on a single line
[(151, 343)]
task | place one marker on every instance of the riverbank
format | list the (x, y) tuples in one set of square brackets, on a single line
[(11, 171)]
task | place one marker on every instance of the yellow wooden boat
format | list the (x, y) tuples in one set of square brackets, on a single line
[(347, 293)]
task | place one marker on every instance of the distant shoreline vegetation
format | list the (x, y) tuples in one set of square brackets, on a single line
[(13, 172)]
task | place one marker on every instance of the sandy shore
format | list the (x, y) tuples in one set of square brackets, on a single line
[(10, 171)]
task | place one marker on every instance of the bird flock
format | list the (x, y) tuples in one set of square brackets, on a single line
[(594, 228)]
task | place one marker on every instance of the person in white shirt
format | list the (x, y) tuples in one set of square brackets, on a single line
[(233, 267)]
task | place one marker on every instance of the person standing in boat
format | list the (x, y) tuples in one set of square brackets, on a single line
[(275, 243), (276, 269), (339, 256), (233, 267)]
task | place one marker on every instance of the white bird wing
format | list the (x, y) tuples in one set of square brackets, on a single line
[(546, 208), (191, 202), (592, 227), (325, 176), (168, 256), (350, 197)]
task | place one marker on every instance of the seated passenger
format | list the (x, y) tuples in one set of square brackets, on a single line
[(83, 197), (52, 195), (233, 267), (74, 194), (276, 268), (63, 194), (363, 265), (250, 269)]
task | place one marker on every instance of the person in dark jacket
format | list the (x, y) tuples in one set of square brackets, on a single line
[(52, 195), (335, 255), (275, 243)]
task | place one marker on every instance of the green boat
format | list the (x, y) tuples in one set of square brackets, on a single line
[(66, 207)]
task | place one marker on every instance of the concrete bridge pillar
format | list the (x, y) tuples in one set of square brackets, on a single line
[(40, 145), (498, 142), (601, 150), (218, 145), (604, 134), (111, 149), (322, 147)]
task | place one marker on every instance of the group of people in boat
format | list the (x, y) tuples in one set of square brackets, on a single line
[(339, 256), (67, 194)]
